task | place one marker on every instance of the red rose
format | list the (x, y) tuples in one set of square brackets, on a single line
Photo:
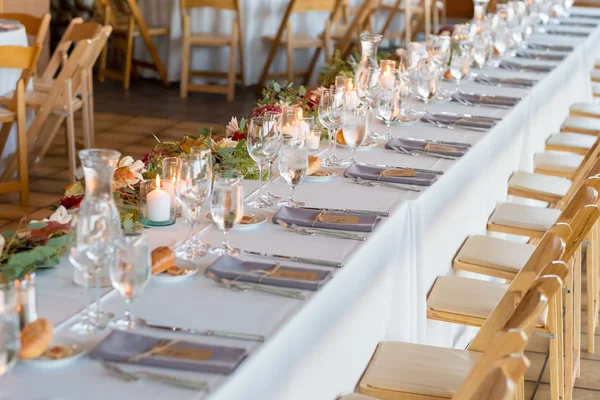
[(71, 201)]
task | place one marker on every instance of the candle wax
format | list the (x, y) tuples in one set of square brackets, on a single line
[(312, 142), (158, 203)]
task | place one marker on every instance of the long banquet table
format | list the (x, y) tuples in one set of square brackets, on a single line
[(317, 348)]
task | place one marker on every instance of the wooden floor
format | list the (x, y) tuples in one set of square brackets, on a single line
[(126, 121)]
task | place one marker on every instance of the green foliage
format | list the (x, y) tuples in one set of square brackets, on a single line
[(336, 67)]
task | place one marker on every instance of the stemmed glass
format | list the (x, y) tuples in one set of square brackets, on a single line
[(459, 65), (263, 143), (130, 275), (330, 115), (356, 128), (293, 165), (404, 86), (389, 108), (227, 209), (193, 186), (427, 82), (275, 118), (10, 342)]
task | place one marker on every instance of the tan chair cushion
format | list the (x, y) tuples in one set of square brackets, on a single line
[(581, 125), (596, 90), (575, 140), (298, 40), (418, 369), (559, 161), (468, 297), (537, 183), (595, 75), (591, 110), (356, 396), (35, 100), (495, 253), (524, 216)]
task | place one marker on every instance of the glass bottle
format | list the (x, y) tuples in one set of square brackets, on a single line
[(369, 43)]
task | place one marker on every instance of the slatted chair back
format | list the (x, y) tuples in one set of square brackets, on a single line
[(359, 20), (34, 26), (219, 4)]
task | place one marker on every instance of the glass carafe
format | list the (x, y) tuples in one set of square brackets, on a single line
[(369, 43), (98, 229)]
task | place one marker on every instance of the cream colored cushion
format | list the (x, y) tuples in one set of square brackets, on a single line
[(495, 253), (578, 124), (524, 216), (559, 161), (588, 109), (537, 183), (596, 90), (575, 140), (595, 75), (418, 369), (356, 396)]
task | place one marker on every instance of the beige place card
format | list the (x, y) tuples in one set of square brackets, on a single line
[(185, 353), (339, 219), (440, 148), (297, 274), (395, 173)]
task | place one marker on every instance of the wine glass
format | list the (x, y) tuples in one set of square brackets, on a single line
[(480, 50), (193, 186), (356, 128), (275, 118), (389, 108), (263, 143), (324, 109), (227, 209), (459, 65), (404, 86), (293, 165), (130, 275), (368, 85), (427, 82), (331, 107), (10, 342)]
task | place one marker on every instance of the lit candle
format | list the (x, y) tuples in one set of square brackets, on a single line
[(158, 203), (313, 139), (388, 79)]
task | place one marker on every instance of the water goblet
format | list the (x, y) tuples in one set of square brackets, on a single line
[(389, 109), (293, 165), (130, 275), (263, 143), (331, 107), (459, 66), (356, 128), (275, 118), (227, 209)]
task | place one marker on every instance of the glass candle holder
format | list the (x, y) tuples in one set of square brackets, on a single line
[(345, 82), (313, 140), (168, 178), (387, 73), (155, 205)]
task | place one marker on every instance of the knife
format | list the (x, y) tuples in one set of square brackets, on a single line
[(350, 211), (209, 332), (439, 142), (424, 171), (311, 261)]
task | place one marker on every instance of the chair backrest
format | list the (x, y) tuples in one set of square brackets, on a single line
[(501, 382), (219, 4), (302, 6), (76, 31), (362, 15), (590, 163), (34, 26)]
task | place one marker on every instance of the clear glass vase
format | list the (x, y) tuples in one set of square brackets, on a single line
[(97, 232), (369, 44), (9, 327)]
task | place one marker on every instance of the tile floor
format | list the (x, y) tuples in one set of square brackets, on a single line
[(126, 121)]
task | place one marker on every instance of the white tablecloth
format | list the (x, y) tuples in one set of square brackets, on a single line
[(317, 348), (9, 78)]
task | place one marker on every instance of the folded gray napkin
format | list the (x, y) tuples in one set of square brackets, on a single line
[(506, 81), (308, 218), (248, 271), (525, 67), (375, 174), (501, 101), (589, 16), (121, 347), (474, 122), (578, 24), (541, 56), (432, 147), (567, 33), (550, 47)]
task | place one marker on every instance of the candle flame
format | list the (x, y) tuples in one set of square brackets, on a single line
[(158, 181), (350, 85)]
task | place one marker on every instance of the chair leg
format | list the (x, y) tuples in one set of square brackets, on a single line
[(91, 109), (568, 337), (577, 312), (71, 150), (311, 67), (232, 67), (290, 56), (85, 112), (22, 144), (242, 60), (128, 56), (591, 274), (554, 350), (103, 60), (185, 68)]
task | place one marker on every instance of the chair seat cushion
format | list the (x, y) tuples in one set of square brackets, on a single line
[(591, 110), (595, 75), (596, 90), (537, 183), (298, 40), (586, 125), (574, 140), (417, 369), (558, 161), (524, 216), (495, 253), (468, 297), (356, 396), (35, 100)]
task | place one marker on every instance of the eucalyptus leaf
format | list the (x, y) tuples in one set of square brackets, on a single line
[(36, 225), (225, 151), (59, 242), (230, 161), (242, 124), (301, 91), (276, 87)]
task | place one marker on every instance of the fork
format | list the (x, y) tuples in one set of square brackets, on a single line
[(244, 287), (416, 153), (166, 379), (364, 182), (316, 231)]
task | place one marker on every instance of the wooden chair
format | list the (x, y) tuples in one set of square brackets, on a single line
[(348, 19), (128, 23), (60, 104), (412, 371), (286, 38), (412, 17), (34, 26), (24, 58), (233, 41)]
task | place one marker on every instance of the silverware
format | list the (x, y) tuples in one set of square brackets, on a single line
[(166, 379), (425, 171), (316, 231), (367, 183), (245, 286), (210, 332), (304, 260), (481, 117), (466, 102), (452, 125), (500, 83), (416, 153), (350, 211), (439, 142)]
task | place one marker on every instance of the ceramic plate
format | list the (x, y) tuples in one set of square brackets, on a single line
[(189, 266), (366, 146), (326, 175), (251, 220), (76, 348)]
